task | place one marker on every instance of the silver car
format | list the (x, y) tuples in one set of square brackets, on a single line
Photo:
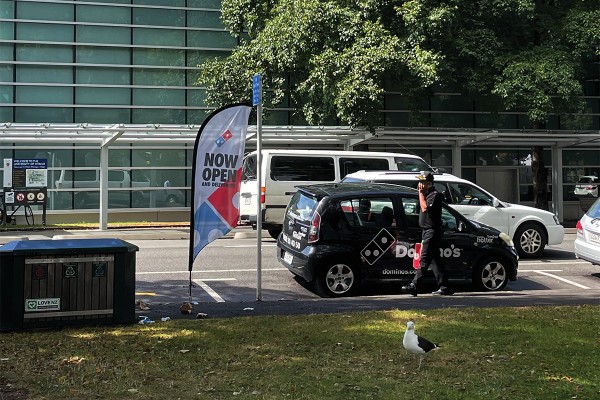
[(587, 243)]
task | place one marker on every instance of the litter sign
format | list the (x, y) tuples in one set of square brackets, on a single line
[(34, 305)]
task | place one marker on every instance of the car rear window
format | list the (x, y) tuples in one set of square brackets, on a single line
[(594, 211), (302, 207)]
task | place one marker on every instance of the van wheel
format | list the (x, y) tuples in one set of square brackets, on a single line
[(490, 275), (274, 233), (172, 199), (337, 279), (530, 240)]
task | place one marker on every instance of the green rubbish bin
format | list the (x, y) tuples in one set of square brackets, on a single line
[(71, 282)]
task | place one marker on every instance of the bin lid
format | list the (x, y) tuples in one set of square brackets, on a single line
[(49, 246)]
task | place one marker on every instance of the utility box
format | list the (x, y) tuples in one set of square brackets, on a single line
[(71, 282)]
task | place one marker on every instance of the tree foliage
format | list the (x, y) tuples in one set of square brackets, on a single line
[(337, 58)]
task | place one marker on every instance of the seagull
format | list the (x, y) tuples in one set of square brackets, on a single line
[(416, 344)]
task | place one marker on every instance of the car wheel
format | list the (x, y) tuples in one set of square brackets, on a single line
[(172, 199), (274, 233), (490, 275), (337, 279), (530, 240)]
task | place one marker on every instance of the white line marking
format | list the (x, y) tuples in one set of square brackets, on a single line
[(536, 270), (249, 245), (211, 292), (562, 279), (554, 262), (209, 270)]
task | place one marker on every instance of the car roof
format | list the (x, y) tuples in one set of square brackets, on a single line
[(345, 189), (400, 176), (338, 153)]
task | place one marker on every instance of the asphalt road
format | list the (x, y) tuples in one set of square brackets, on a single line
[(225, 283)]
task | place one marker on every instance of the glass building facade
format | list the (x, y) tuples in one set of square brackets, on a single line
[(136, 62)]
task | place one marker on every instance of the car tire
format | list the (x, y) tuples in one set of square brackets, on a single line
[(530, 240), (274, 233), (491, 274), (337, 279)]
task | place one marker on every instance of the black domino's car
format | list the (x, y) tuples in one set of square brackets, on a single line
[(337, 235)]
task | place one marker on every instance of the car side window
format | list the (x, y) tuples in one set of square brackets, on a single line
[(466, 194), (410, 205), (449, 222), (369, 212)]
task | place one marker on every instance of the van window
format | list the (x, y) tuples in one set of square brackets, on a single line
[(411, 164), (83, 176), (298, 168), (351, 165), (249, 168)]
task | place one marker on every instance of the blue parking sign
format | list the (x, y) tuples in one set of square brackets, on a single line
[(256, 90)]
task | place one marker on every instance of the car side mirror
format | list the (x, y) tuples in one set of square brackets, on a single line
[(496, 202)]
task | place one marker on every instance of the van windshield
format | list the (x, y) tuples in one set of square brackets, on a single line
[(302, 207)]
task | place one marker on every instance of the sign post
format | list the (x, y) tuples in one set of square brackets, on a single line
[(257, 101), (25, 184)]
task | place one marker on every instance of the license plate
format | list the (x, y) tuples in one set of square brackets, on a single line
[(288, 257), (593, 237)]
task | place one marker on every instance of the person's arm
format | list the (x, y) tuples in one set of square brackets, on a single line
[(422, 201)]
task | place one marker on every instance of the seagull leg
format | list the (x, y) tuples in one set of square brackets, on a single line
[(420, 361)]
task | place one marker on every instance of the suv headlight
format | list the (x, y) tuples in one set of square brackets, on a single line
[(506, 239)]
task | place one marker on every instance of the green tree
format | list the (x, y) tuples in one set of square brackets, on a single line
[(337, 58)]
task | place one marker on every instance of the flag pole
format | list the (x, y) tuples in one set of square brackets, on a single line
[(257, 101)]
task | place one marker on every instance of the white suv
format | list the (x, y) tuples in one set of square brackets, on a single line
[(530, 228)]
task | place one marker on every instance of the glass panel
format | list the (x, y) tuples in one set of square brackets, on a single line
[(41, 114), (103, 34), (158, 97), (198, 57), (112, 15), (87, 95), (162, 57), (6, 113), (174, 3), (157, 158), (350, 165), (159, 37), (157, 116), (6, 28), (119, 158), (45, 32), (101, 115), (159, 17), (45, 74), (6, 95), (45, 11), (211, 39), (106, 76), (581, 157), (441, 158), (204, 19), (216, 4), (47, 95), (159, 77), (87, 158), (41, 52)]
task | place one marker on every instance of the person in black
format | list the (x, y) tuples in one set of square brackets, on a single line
[(430, 219)]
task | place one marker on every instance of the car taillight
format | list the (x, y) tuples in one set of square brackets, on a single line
[(315, 226), (262, 194), (579, 228)]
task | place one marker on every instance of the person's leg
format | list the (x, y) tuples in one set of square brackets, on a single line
[(424, 264), (438, 267)]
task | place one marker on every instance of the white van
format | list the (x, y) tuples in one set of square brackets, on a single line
[(530, 228), (282, 170)]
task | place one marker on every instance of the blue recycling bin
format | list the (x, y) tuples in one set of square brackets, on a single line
[(70, 282)]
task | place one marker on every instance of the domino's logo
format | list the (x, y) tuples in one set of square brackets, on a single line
[(223, 138), (377, 247)]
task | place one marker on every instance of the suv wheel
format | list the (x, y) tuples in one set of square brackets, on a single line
[(490, 275), (530, 240), (337, 279)]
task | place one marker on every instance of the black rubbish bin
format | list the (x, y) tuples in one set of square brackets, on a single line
[(76, 282)]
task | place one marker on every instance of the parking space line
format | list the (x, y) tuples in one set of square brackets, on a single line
[(210, 292), (561, 279), (209, 270)]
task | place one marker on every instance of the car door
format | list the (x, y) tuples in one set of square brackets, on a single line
[(372, 232), (477, 205), (457, 247)]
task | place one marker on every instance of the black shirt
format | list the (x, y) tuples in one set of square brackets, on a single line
[(432, 218)]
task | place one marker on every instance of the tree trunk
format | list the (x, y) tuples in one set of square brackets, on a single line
[(540, 178)]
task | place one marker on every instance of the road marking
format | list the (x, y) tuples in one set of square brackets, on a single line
[(211, 292), (249, 245), (561, 279), (209, 271), (536, 270)]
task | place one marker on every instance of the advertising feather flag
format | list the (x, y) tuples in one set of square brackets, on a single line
[(216, 176)]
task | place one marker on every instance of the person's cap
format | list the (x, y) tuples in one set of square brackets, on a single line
[(425, 176)]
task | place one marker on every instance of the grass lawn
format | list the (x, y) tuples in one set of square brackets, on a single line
[(487, 353)]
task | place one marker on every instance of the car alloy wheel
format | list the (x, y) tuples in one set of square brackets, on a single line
[(491, 275), (530, 240), (340, 279)]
